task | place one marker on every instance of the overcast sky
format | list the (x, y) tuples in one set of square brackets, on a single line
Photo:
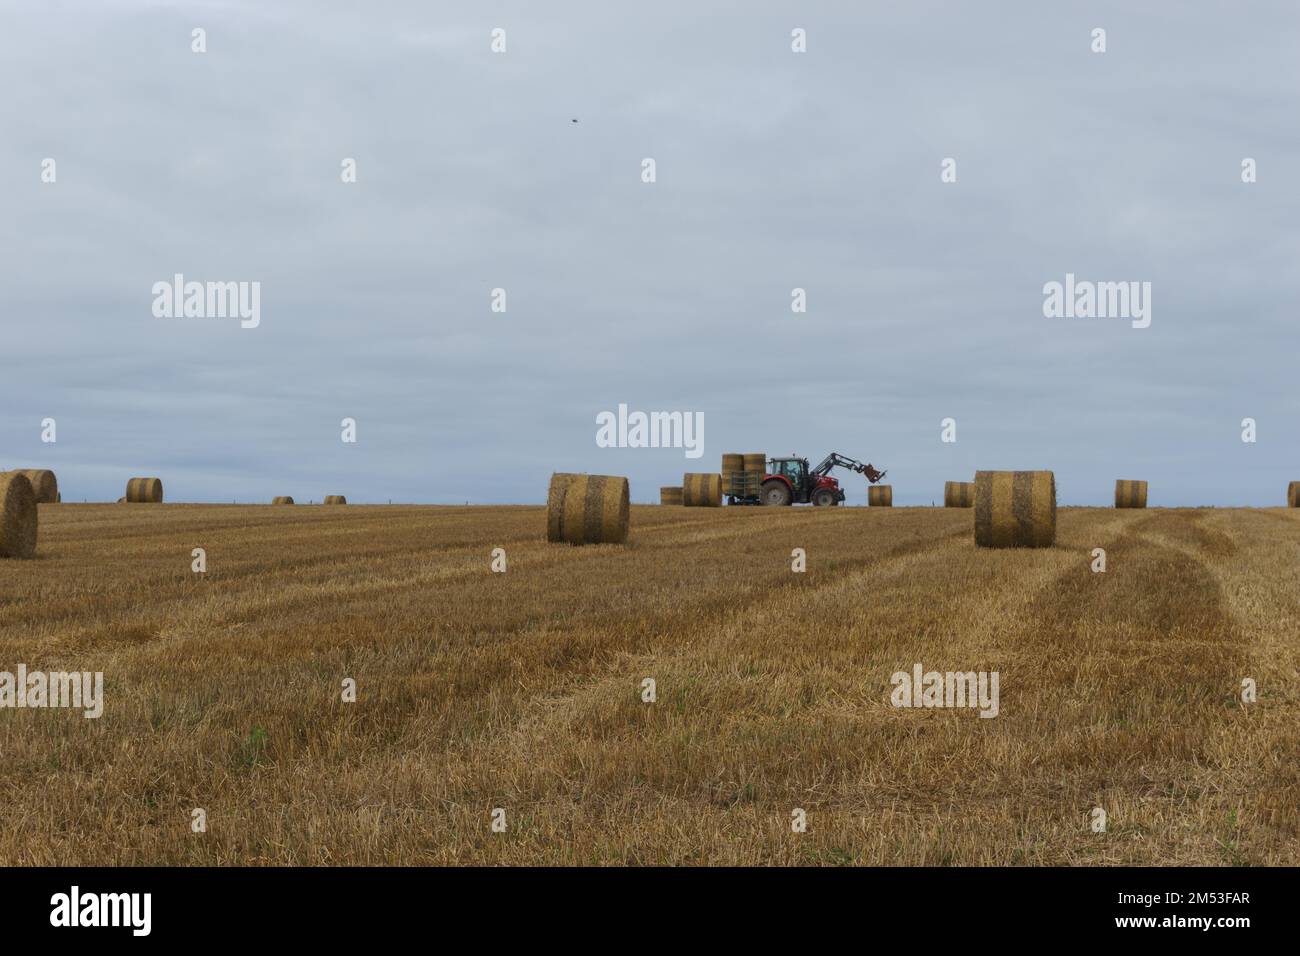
[(775, 170)]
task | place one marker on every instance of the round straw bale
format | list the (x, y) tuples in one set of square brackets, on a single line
[(1015, 509), (282, 500), (18, 516), (144, 490), (959, 494), (1293, 495), (670, 495), (336, 499), (1130, 494), (880, 496), (587, 509), (732, 462), (121, 501), (701, 490), (44, 484), (756, 462)]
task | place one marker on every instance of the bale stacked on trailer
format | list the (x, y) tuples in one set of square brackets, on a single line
[(282, 500), (336, 499), (959, 494), (1015, 509), (742, 475), (18, 516), (670, 495), (144, 491), (1130, 494), (733, 474), (587, 509), (44, 484), (755, 472), (701, 490), (1293, 495), (880, 496)]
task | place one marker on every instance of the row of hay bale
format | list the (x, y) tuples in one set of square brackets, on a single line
[(45, 485), (707, 490)]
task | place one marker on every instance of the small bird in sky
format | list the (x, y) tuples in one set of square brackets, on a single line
[(573, 121)]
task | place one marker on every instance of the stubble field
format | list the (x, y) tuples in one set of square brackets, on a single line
[(523, 690)]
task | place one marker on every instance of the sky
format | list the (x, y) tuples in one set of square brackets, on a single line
[(774, 170)]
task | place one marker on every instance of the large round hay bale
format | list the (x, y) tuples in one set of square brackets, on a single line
[(1293, 495), (1130, 494), (336, 499), (670, 495), (732, 462), (18, 516), (1015, 509), (44, 485), (880, 496), (959, 494), (144, 491), (282, 500), (756, 462), (701, 490), (587, 509)]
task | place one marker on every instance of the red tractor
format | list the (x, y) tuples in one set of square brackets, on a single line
[(789, 480)]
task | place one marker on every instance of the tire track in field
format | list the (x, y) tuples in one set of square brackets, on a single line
[(1138, 644), (765, 687)]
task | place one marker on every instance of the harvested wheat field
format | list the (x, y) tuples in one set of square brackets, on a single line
[(523, 690)]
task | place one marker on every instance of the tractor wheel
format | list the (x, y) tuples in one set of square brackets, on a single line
[(824, 498), (775, 493)]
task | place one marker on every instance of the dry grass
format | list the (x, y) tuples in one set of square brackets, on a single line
[(522, 690)]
